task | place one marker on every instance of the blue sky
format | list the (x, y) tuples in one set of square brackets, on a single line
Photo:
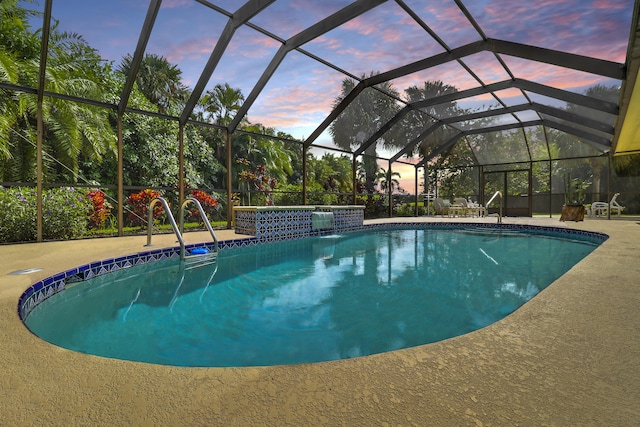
[(302, 91)]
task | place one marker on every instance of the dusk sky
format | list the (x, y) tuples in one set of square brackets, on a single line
[(301, 93)]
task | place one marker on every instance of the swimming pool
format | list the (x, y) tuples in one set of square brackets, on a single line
[(308, 300)]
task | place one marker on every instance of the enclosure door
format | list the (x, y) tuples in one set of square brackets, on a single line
[(515, 186)]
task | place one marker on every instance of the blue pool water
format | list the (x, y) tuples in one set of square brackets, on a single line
[(307, 300)]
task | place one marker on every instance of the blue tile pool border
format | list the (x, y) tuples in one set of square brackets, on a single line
[(45, 288)]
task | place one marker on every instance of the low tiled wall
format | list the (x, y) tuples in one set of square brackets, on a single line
[(269, 223), (345, 217), (273, 222)]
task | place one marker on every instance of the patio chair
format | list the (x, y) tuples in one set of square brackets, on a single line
[(467, 208), (601, 208), (441, 206), (458, 207), (475, 209)]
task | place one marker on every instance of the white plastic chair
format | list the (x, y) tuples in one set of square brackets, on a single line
[(601, 208)]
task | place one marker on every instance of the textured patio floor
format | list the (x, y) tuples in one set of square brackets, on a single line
[(569, 357)]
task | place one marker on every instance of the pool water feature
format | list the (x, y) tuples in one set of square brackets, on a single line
[(308, 300)]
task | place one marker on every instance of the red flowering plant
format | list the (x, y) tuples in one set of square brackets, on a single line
[(209, 205), (100, 208), (139, 203), (259, 179)]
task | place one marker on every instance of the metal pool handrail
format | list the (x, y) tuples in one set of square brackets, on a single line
[(176, 229), (497, 193), (204, 218), (171, 220)]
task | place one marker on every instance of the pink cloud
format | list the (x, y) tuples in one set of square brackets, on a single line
[(382, 51), (450, 73), (450, 13), (362, 25), (449, 23), (193, 49), (287, 18), (376, 42), (511, 93), (575, 26), (566, 19), (171, 4), (501, 13), (301, 101), (328, 43), (391, 35), (379, 40), (297, 97), (610, 4), (486, 67), (551, 75), (486, 97), (249, 44)]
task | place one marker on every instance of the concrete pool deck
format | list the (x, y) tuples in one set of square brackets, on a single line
[(569, 357)]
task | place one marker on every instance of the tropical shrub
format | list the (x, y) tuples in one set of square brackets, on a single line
[(139, 207), (291, 194), (408, 209), (317, 195), (288, 195), (259, 178), (374, 205), (17, 214), (65, 213), (100, 209), (208, 202)]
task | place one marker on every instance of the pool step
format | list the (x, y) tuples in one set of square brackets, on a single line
[(199, 260)]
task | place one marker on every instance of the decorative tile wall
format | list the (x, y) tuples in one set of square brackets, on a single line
[(345, 219), (283, 224), (245, 222)]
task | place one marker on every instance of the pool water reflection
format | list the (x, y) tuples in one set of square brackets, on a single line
[(308, 300)]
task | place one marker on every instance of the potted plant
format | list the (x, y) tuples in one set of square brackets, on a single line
[(574, 191), (573, 209)]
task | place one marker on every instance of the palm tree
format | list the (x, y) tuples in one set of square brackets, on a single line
[(19, 49), (387, 180), (361, 119), (76, 130), (159, 81), (8, 104), (260, 149), (221, 102), (419, 122), (70, 130)]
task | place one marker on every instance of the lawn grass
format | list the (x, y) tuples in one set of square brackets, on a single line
[(161, 229)]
